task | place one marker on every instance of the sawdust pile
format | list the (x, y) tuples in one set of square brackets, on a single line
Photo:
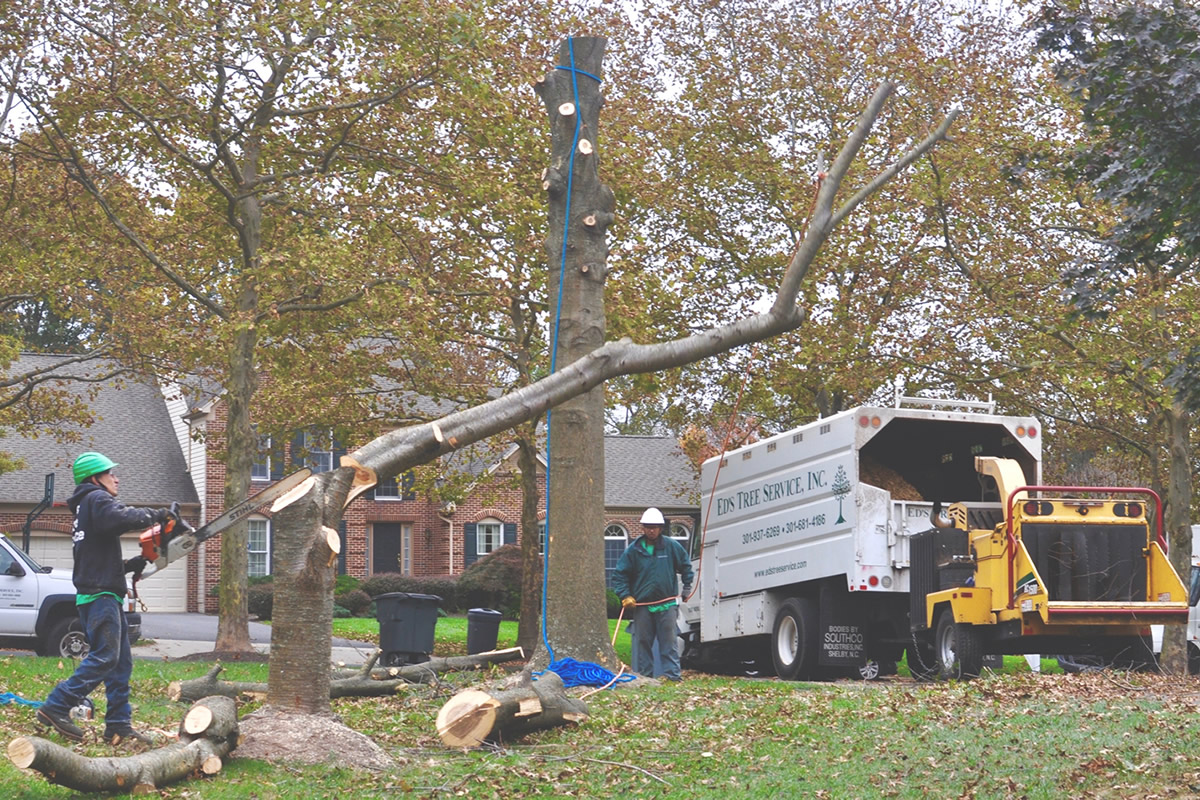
[(876, 474), (281, 736)]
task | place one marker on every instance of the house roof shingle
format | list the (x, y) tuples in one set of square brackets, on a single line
[(642, 471), (132, 427)]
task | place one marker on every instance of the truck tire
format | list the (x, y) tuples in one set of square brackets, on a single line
[(67, 639), (958, 648), (794, 639)]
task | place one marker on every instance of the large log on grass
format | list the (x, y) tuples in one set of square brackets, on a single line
[(474, 716), (368, 681), (207, 734)]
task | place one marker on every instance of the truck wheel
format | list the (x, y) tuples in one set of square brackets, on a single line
[(67, 639), (958, 648), (794, 639)]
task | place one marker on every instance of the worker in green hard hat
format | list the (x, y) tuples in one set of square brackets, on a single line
[(99, 578)]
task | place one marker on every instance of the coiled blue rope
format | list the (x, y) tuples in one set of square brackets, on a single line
[(572, 672)]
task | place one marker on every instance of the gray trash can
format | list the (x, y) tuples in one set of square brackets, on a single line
[(406, 625), (483, 629)]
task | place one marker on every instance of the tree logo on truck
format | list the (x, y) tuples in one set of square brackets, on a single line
[(840, 488)]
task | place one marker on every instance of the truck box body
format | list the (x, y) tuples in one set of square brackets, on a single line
[(835, 502)]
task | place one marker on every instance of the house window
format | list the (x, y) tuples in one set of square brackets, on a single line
[(615, 540), (489, 535), (392, 489), (318, 448), (260, 470), (542, 538), (681, 532), (258, 543)]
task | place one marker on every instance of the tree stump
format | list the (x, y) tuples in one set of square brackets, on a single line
[(207, 734), (474, 716)]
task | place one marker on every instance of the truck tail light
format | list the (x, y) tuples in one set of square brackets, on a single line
[(1127, 509)]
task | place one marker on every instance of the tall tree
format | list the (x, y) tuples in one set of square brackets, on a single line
[(263, 143)]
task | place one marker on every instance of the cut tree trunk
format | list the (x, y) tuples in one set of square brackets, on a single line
[(366, 682), (207, 734), (474, 716)]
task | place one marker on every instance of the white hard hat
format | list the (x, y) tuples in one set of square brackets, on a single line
[(653, 517)]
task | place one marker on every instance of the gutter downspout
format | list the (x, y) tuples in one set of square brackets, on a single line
[(450, 522)]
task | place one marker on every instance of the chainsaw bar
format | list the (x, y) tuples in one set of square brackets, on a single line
[(184, 540)]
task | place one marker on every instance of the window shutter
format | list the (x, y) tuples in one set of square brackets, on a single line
[(470, 544), (342, 553), (407, 481), (339, 450), (297, 454), (510, 533), (276, 459)]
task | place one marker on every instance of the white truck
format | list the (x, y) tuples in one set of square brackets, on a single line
[(819, 545), (37, 606)]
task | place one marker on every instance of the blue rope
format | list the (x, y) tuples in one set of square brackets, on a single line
[(9, 697), (572, 672), (583, 673)]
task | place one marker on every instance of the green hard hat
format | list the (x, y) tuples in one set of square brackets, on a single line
[(89, 464)]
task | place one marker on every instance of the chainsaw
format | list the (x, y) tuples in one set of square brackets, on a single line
[(170, 541)]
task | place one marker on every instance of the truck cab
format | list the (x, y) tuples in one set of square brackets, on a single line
[(38, 604)]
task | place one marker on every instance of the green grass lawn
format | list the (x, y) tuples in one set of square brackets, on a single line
[(1010, 735)]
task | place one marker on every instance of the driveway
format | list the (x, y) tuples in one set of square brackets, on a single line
[(203, 628)]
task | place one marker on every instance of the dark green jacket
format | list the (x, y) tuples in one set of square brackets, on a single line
[(652, 577)]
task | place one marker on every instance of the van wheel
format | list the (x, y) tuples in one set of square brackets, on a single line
[(958, 648), (67, 639), (794, 639)]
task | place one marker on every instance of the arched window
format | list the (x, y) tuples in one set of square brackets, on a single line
[(615, 540)]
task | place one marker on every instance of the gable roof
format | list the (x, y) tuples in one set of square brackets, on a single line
[(642, 471), (132, 427)]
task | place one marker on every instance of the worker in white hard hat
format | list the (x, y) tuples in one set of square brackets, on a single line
[(645, 577)]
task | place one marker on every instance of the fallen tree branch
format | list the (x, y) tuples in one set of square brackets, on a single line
[(474, 716), (369, 681), (207, 734)]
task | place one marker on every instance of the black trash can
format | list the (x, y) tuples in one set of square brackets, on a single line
[(483, 629), (406, 625)]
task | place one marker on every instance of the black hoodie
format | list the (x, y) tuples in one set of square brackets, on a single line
[(99, 522)]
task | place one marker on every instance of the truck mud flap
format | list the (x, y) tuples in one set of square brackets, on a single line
[(842, 628)]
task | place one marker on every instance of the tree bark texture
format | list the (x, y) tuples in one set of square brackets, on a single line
[(529, 628), (580, 209), (301, 631), (1178, 525), (366, 682), (207, 734), (474, 716)]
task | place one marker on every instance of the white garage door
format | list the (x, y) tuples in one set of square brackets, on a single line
[(166, 591)]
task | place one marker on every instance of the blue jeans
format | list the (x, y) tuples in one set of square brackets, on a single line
[(649, 626), (108, 661)]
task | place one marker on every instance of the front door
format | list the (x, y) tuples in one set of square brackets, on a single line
[(390, 546)]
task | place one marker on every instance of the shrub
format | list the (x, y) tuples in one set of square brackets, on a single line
[(345, 583), (259, 600), (444, 586), (613, 603), (355, 601), (340, 613), (493, 581)]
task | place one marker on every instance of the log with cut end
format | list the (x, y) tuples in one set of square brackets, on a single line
[(366, 682), (474, 716), (208, 733)]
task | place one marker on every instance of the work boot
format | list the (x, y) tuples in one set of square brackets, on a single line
[(61, 723), (116, 734)]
